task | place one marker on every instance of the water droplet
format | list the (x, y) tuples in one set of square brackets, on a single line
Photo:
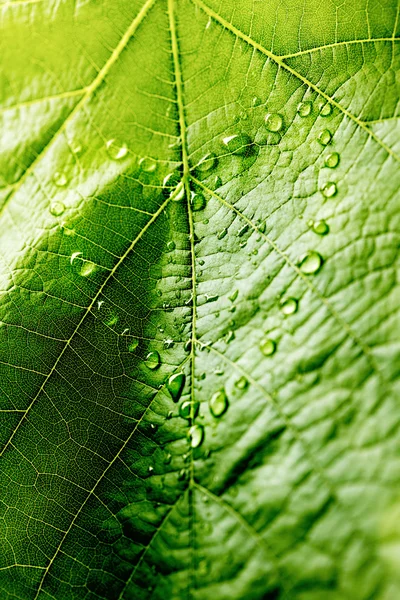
[(211, 297), (304, 109), (148, 165), (197, 201), (188, 345), (60, 179), (182, 475), (111, 321), (76, 147), (233, 296), (171, 246), (268, 346), (289, 306), (325, 137), (325, 109), (88, 267), (218, 403), (273, 122), (133, 345), (57, 209), (243, 230), (256, 101), (196, 435), (189, 410), (332, 160), (239, 143), (175, 385), (241, 383), (329, 189), (170, 182), (208, 162), (167, 458), (151, 469), (116, 151), (310, 262), (179, 193), (262, 227), (222, 234), (320, 227), (153, 360), (168, 343)]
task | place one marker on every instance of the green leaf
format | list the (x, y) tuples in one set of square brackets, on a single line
[(199, 300)]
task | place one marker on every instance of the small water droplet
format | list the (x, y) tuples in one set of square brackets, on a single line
[(332, 160), (262, 227), (207, 162), (217, 182), (175, 385), (133, 345), (153, 360), (325, 137), (329, 189), (111, 321), (171, 181), (218, 403), (273, 122), (148, 165), (243, 230), (304, 109), (182, 475), (88, 267), (188, 345), (189, 410), (241, 383), (325, 109), (268, 346), (197, 201), (196, 435), (230, 336), (211, 297), (151, 469), (115, 150), (167, 458), (60, 179), (57, 209), (310, 262), (168, 343), (320, 227), (233, 296), (256, 101), (289, 306), (171, 246), (239, 143), (222, 234)]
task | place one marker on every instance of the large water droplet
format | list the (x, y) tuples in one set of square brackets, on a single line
[(304, 109), (289, 306), (332, 160), (197, 201), (57, 209), (325, 109), (189, 410), (115, 150), (325, 137), (148, 165), (207, 162), (239, 143), (273, 122), (218, 403), (268, 346), (310, 262), (60, 179), (196, 435), (175, 385), (153, 360), (320, 227), (241, 383), (329, 189), (133, 345)]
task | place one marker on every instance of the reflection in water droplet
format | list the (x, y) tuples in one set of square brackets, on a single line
[(151, 469), (175, 385), (207, 162), (325, 109), (268, 346), (238, 144), (241, 383), (329, 189), (88, 267), (60, 179), (74, 256), (197, 201), (289, 306), (116, 151), (325, 137), (332, 160), (310, 262), (320, 227), (273, 122), (148, 165), (304, 109), (222, 234), (57, 209), (218, 403), (196, 435), (153, 360), (179, 193), (133, 345), (189, 410)]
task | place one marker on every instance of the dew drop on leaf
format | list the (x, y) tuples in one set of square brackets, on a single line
[(241, 383), (243, 230), (325, 109), (189, 410), (57, 209), (325, 137), (116, 151), (171, 246), (196, 435), (218, 403), (222, 234), (153, 360), (207, 162), (239, 143), (60, 179), (304, 109), (310, 262), (332, 160), (148, 165), (197, 201), (133, 345), (329, 189), (268, 346), (256, 101), (320, 227), (273, 122), (234, 295), (175, 385), (180, 193), (88, 267), (289, 306)]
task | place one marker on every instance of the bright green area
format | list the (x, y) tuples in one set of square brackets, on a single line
[(199, 305)]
